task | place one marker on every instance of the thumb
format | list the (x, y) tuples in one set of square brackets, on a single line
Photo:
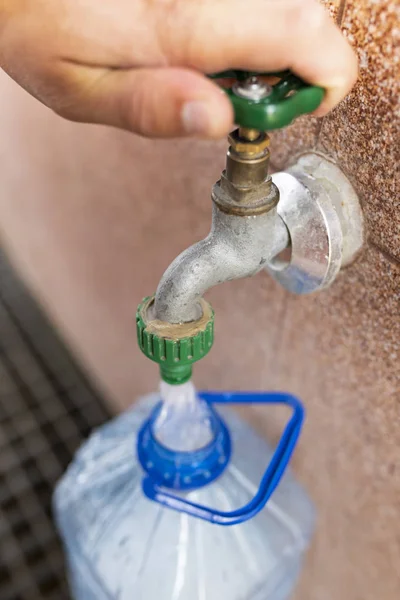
[(154, 102)]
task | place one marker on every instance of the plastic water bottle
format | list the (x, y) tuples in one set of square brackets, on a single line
[(171, 501)]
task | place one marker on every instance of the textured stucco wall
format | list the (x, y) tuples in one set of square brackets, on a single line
[(92, 216)]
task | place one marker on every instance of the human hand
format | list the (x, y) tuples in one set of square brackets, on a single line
[(139, 64)]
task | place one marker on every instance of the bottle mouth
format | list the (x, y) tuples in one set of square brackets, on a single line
[(186, 455), (184, 469)]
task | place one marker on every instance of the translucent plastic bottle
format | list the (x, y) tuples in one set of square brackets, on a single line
[(129, 533)]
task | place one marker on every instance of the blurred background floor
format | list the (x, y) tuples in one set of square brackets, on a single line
[(47, 408)]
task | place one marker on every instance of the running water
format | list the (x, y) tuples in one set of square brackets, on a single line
[(183, 423)]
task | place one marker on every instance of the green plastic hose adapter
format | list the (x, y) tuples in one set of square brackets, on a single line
[(175, 347)]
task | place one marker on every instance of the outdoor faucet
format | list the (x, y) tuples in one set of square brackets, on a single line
[(302, 225), (246, 233)]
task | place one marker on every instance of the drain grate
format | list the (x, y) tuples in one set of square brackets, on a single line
[(47, 408)]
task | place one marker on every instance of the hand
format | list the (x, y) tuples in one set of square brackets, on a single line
[(139, 64)]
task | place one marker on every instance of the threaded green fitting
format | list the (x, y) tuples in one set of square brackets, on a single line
[(175, 347)]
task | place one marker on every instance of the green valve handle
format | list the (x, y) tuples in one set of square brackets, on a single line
[(261, 106)]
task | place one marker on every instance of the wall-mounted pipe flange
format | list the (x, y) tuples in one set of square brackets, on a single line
[(324, 219)]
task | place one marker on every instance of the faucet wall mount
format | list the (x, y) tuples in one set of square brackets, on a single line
[(323, 216)]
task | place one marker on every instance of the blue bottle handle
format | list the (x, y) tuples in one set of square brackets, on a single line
[(271, 477)]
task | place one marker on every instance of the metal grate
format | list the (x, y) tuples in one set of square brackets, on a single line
[(47, 408)]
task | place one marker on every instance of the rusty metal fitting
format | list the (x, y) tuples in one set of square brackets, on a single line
[(243, 141), (245, 187), (247, 134), (244, 203), (246, 171)]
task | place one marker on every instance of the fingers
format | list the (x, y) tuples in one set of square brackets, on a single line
[(162, 102), (151, 82), (262, 35)]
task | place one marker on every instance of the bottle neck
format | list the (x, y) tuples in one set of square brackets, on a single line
[(184, 444)]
